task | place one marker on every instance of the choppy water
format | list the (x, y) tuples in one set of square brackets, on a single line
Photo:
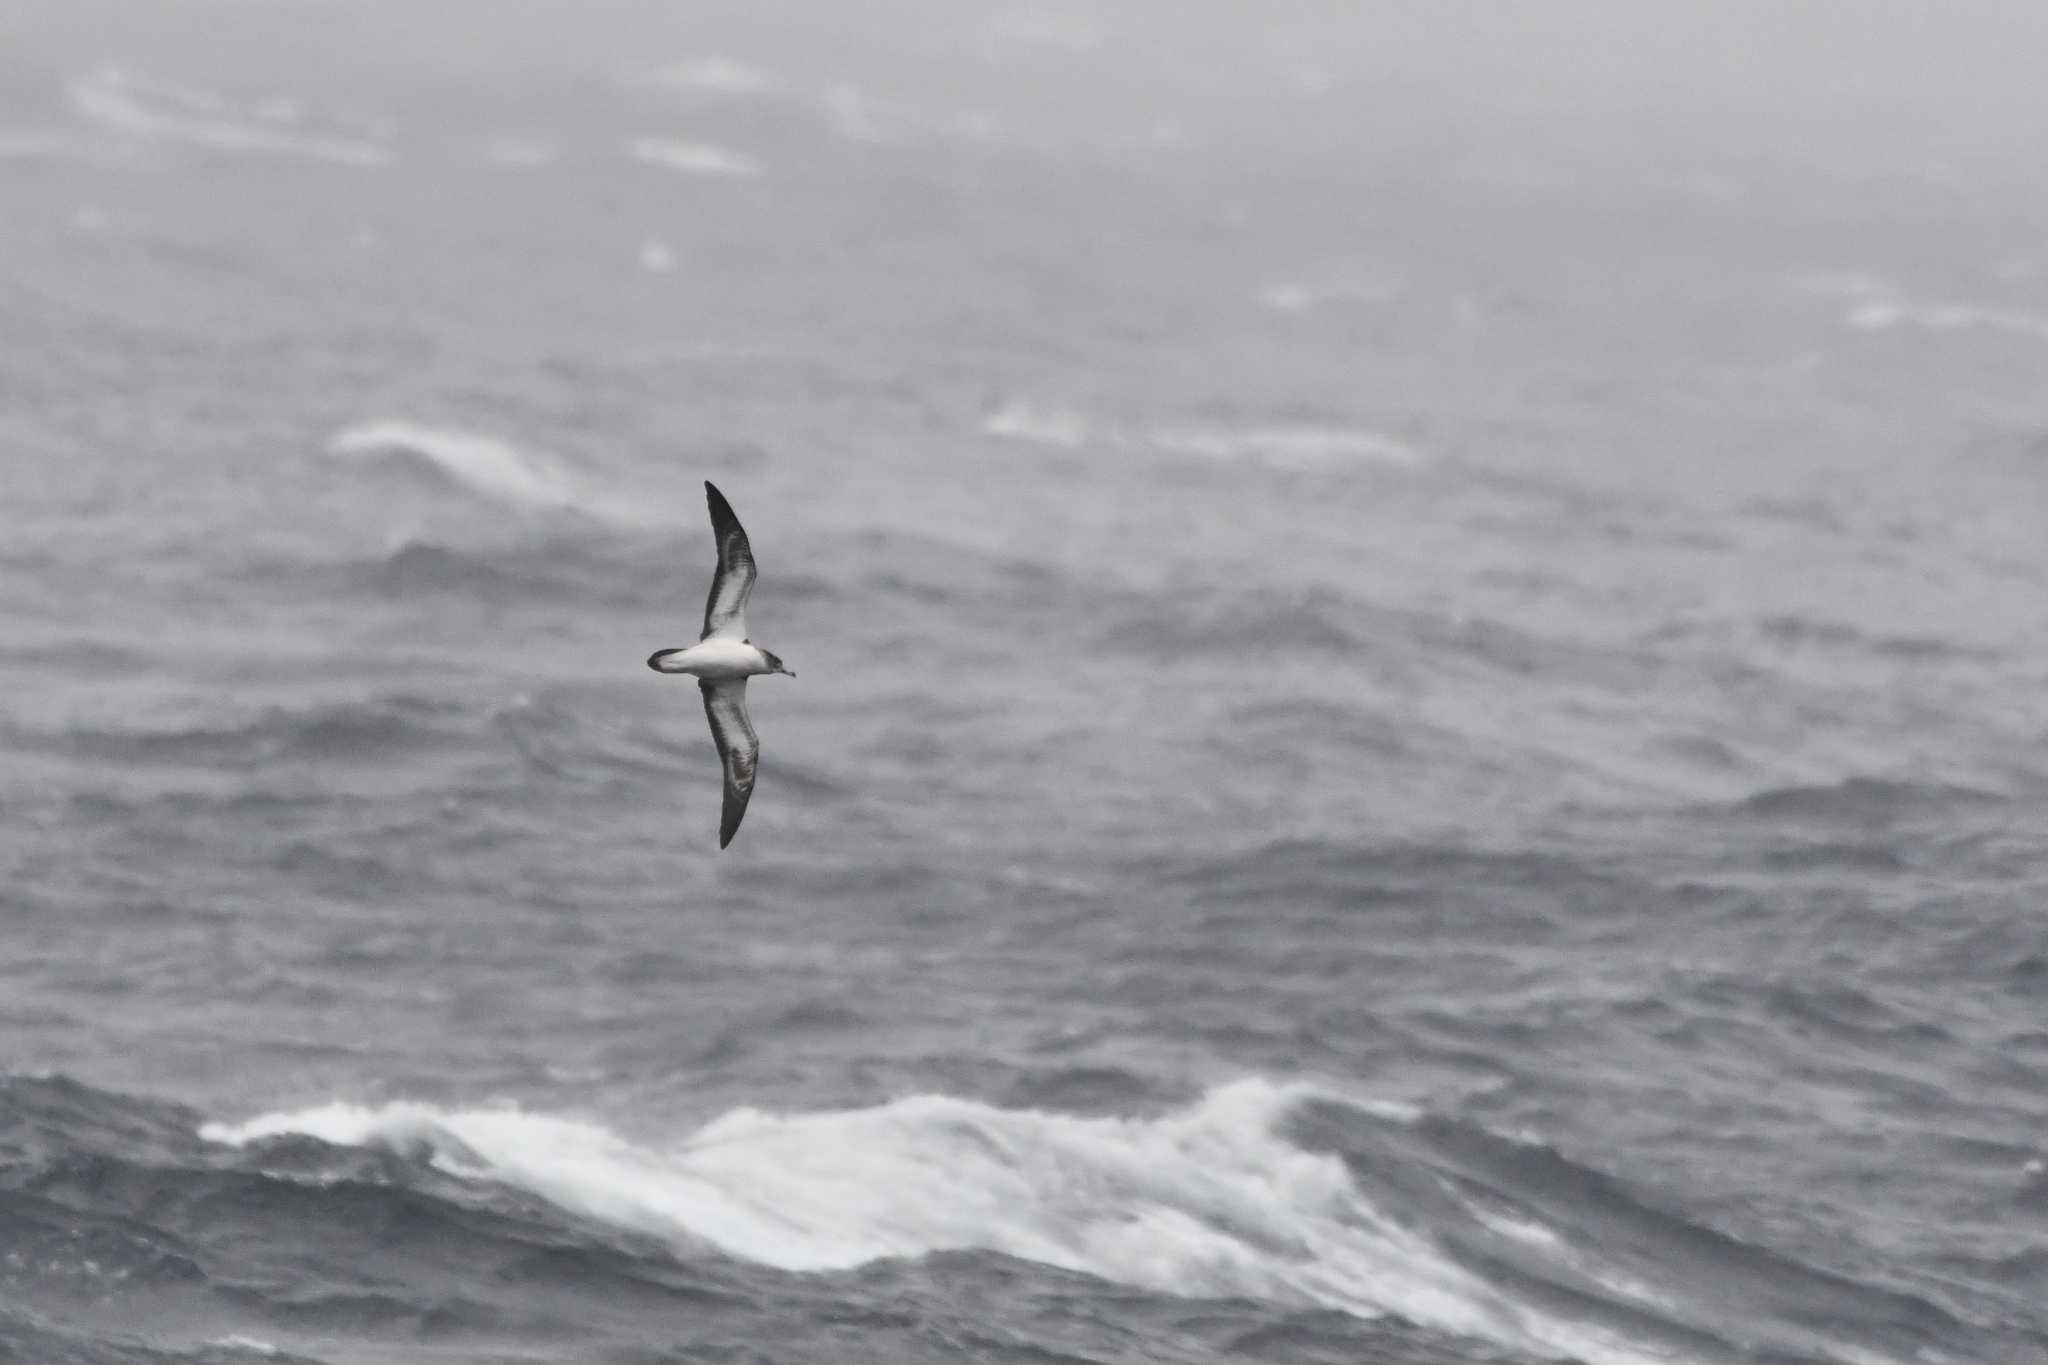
[(1419, 737)]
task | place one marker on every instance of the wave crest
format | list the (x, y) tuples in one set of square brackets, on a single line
[(1208, 1201), (113, 99), (1300, 447)]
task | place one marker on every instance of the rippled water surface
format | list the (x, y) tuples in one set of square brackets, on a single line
[(1419, 732)]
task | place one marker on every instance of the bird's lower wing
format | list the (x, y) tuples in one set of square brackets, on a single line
[(739, 749)]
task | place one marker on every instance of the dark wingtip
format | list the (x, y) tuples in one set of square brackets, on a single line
[(723, 518)]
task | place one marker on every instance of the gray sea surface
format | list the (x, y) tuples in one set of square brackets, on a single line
[(1421, 726)]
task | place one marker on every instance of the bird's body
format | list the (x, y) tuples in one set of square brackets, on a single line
[(723, 659), (717, 660)]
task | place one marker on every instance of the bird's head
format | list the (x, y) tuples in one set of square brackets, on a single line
[(775, 663), (654, 659)]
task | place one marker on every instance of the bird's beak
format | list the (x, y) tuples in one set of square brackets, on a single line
[(790, 672)]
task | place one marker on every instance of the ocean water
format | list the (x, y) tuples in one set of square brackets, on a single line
[(1421, 725)]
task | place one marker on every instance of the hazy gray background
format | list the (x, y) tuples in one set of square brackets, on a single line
[(1423, 659)]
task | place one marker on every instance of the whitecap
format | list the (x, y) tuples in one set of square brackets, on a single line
[(490, 468), (112, 98), (1209, 1201), (693, 158), (484, 465), (1300, 447), (1057, 427), (1878, 306), (1284, 447)]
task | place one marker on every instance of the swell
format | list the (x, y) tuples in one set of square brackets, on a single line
[(1281, 1194), (157, 110), (1351, 875), (1526, 1215), (1866, 801), (108, 1201), (546, 571), (369, 731), (410, 1222)]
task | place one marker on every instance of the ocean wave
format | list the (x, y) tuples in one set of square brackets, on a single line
[(1231, 623), (848, 111), (1799, 631), (1284, 447), (1876, 315), (367, 731), (544, 570), (477, 1223), (1534, 889), (1547, 1224), (1866, 801), (692, 158), (1301, 447), (483, 465), (112, 98), (1211, 1201), (1876, 305)]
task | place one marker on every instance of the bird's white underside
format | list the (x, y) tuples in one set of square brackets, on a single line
[(717, 659)]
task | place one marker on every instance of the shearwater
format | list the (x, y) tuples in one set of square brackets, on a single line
[(723, 659)]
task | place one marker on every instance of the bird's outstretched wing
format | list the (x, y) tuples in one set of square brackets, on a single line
[(725, 703), (725, 611)]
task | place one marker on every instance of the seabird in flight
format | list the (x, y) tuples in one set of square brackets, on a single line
[(723, 659)]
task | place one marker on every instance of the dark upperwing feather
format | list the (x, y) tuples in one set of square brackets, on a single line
[(725, 705), (725, 611)]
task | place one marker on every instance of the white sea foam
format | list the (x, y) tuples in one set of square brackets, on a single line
[(1284, 447), (692, 158), (1885, 314), (851, 112), (488, 466), (1875, 305), (1275, 446), (1033, 425), (1209, 1201), (149, 109)]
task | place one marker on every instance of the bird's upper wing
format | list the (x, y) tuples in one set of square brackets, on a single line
[(725, 611), (725, 703)]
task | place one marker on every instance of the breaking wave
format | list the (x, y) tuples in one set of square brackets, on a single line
[(1223, 1199), (1874, 305), (496, 470), (1287, 446), (126, 104), (692, 158), (487, 466)]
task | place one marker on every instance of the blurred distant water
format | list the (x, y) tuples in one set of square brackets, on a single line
[(1420, 736)]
